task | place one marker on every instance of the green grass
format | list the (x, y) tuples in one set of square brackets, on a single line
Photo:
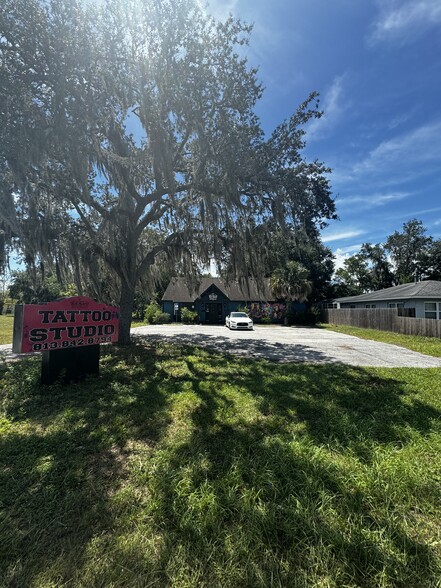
[(178, 467), (426, 345), (6, 327)]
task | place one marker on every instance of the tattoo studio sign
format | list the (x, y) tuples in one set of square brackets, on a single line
[(65, 324)]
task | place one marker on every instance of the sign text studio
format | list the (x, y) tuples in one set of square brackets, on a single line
[(62, 318)]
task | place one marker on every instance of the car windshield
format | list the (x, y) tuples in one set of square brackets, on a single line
[(239, 315)]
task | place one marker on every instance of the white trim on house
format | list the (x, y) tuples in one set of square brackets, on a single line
[(434, 312)]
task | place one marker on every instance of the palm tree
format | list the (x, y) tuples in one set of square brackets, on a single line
[(291, 282)]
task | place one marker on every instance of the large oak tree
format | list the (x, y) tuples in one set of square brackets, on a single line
[(129, 137)]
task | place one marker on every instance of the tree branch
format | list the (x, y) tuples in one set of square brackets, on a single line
[(151, 255)]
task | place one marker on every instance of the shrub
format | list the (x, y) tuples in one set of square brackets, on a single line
[(188, 316), (161, 317), (151, 310), (266, 320)]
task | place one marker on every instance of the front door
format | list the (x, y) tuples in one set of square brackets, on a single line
[(213, 312)]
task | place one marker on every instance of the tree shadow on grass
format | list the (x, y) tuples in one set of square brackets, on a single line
[(343, 404), (253, 492), (280, 495), (66, 457)]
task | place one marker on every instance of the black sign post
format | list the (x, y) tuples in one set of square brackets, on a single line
[(70, 365)]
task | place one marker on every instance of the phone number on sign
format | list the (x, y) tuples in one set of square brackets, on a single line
[(73, 343)]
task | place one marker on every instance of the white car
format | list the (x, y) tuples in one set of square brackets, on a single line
[(239, 320)]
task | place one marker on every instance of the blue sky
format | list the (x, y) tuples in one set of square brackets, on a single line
[(377, 66)]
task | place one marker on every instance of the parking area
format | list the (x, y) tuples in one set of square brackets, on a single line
[(282, 344), (290, 344)]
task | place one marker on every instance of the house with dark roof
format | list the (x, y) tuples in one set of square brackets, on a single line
[(214, 298), (424, 297)]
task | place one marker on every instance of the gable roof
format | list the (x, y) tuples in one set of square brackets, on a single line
[(178, 290), (427, 289)]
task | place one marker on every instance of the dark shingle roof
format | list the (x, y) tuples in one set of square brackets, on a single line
[(177, 290), (426, 289)]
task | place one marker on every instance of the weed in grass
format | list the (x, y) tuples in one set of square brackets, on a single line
[(179, 467)]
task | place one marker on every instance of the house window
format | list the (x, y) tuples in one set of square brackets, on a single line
[(396, 305), (352, 306), (432, 310), (371, 306)]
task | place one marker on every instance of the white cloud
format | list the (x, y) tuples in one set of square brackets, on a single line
[(421, 144), (400, 119), (342, 253), (412, 214), (405, 20), (333, 110), (342, 235), (371, 200)]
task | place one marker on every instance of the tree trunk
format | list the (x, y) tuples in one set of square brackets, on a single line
[(125, 316)]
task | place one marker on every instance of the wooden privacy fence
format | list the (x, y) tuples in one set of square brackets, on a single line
[(383, 319)]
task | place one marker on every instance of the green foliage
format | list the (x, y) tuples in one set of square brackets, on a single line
[(151, 311), (405, 249), (161, 318), (265, 320), (430, 261), (154, 315), (354, 276), (31, 289), (301, 244), (178, 467), (405, 256), (188, 315), (291, 282)]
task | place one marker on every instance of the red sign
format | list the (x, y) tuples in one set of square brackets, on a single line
[(67, 323)]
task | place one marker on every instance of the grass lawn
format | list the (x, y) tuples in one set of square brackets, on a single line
[(6, 326), (180, 468), (426, 345)]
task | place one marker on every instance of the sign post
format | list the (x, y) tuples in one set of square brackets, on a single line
[(68, 333)]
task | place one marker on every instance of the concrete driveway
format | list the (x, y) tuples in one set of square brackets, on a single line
[(284, 344), (290, 344)]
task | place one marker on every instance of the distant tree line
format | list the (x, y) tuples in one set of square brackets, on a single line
[(406, 256)]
